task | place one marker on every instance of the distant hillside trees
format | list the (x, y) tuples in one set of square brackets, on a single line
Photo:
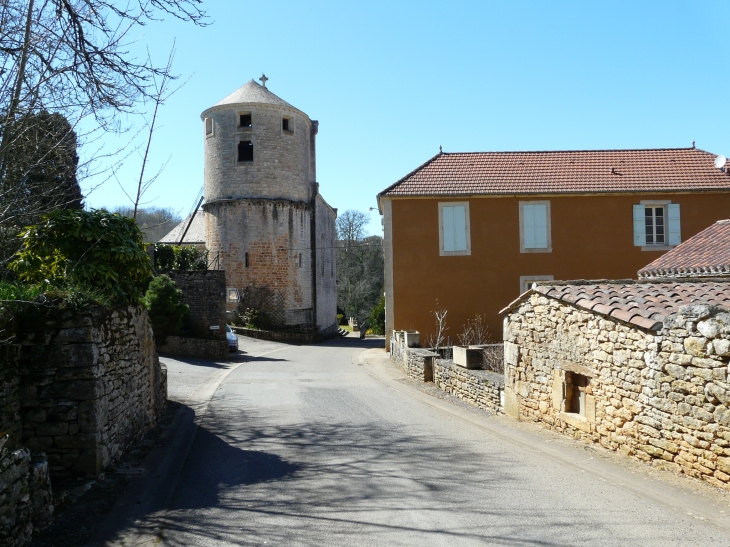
[(155, 222), (360, 277)]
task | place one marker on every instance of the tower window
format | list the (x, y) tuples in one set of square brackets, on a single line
[(245, 258), (245, 151), (300, 260), (244, 120), (285, 124), (208, 127)]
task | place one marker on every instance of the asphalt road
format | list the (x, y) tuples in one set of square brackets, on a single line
[(311, 445)]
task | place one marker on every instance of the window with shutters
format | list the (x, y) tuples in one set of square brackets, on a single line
[(656, 225), (454, 232), (535, 227)]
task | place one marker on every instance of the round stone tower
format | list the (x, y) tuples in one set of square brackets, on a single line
[(262, 207)]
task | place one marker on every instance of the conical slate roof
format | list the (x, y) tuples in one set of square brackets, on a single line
[(254, 93)]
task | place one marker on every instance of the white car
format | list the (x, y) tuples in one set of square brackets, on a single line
[(232, 339)]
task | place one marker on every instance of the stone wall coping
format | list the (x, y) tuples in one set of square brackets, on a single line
[(484, 375), (423, 352)]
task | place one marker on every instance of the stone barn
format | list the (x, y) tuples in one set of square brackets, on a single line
[(639, 367), (266, 224)]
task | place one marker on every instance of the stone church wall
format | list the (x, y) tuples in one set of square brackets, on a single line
[(276, 237), (659, 397), (90, 385), (282, 167), (326, 266)]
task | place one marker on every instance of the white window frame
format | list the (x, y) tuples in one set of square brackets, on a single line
[(548, 229), (670, 233), (467, 223), (526, 281)]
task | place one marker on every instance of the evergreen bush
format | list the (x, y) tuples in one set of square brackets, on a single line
[(180, 257), (97, 250), (377, 317), (165, 309)]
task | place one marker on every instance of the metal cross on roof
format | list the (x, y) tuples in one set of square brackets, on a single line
[(263, 79)]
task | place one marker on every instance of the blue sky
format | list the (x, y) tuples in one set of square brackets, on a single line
[(391, 81)]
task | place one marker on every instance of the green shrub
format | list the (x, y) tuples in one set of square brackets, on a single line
[(250, 318), (180, 257), (164, 257), (166, 312), (377, 317), (340, 319), (97, 250)]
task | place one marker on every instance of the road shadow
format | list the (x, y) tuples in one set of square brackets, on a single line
[(322, 483), (253, 359), (220, 465)]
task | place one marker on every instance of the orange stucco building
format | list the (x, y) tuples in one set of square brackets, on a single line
[(472, 231)]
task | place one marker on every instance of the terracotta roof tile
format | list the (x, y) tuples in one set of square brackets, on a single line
[(642, 303), (563, 172), (706, 254)]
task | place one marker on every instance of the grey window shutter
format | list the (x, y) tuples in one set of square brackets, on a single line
[(534, 224), (459, 228), (639, 225), (675, 232), (540, 212), (448, 223)]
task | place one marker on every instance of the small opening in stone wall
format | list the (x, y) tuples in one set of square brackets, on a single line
[(300, 260), (244, 120), (576, 389), (208, 126), (285, 124), (245, 258), (245, 151)]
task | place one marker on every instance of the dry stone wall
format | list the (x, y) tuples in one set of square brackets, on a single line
[(479, 388), (659, 397), (90, 385), (10, 423), (26, 502), (204, 291), (195, 347)]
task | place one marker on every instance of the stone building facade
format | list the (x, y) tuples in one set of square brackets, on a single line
[(266, 223), (639, 367)]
